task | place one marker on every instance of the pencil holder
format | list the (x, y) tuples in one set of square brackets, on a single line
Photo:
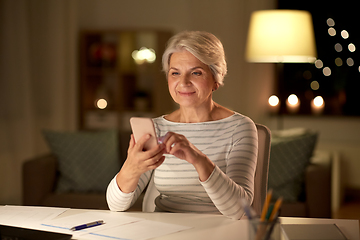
[(264, 230)]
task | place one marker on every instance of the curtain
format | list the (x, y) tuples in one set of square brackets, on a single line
[(37, 82)]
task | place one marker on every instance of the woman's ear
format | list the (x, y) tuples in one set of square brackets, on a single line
[(216, 86)]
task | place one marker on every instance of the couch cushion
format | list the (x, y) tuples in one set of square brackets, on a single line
[(290, 154), (87, 160)]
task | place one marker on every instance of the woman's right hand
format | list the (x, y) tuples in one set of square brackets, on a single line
[(138, 162)]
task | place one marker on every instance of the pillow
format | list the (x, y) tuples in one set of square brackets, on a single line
[(290, 154), (87, 160)]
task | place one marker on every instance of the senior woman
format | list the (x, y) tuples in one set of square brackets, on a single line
[(207, 159)]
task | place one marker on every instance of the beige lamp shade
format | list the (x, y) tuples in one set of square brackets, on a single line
[(281, 36)]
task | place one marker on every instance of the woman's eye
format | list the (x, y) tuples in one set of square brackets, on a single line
[(197, 73), (174, 73)]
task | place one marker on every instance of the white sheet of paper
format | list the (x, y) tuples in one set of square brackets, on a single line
[(111, 219), (136, 231), (26, 216)]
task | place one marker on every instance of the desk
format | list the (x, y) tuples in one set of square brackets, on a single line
[(204, 226)]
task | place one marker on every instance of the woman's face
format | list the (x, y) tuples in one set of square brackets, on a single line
[(190, 81)]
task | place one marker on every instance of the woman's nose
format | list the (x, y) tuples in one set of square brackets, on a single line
[(185, 80)]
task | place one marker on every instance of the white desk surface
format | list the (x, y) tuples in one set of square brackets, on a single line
[(206, 226)]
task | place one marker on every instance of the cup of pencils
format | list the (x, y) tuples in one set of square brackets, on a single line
[(268, 226)]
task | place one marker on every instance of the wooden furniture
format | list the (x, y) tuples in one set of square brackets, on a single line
[(109, 72)]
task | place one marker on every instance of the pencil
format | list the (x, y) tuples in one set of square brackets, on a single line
[(266, 205), (276, 208)]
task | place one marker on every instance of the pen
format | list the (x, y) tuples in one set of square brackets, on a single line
[(87, 225), (247, 209)]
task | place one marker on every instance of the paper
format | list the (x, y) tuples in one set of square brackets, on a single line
[(137, 231), (117, 226), (25, 216), (111, 219)]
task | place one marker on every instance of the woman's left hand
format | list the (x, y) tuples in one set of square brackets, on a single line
[(179, 146)]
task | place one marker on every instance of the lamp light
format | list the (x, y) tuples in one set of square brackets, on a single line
[(285, 36), (281, 36)]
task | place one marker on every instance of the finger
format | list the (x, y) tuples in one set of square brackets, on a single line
[(131, 141), (171, 142), (164, 138), (157, 163), (141, 142)]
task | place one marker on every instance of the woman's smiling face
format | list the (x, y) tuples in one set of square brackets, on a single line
[(190, 81)]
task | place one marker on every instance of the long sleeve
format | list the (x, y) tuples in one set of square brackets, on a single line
[(225, 189), (120, 201)]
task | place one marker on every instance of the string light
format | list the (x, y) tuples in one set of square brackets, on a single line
[(350, 62), (338, 47), (315, 85), (338, 62), (319, 64), (332, 31), (327, 71), (351, 47), (330, 22), (344, 34)]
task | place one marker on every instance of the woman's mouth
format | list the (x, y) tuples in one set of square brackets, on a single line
[(185, 94)]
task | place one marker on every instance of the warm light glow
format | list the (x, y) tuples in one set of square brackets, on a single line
[(338, 62), (293, 104), (317, 105), (330, 22), (351, 47), (101, 103), (281, 36), (344, 34), (144, 55), (315, 85), (350, 62), (318, 101), (327, 71), (319, 63), (338, 47), (332, 31), (273, 100), (293, 99)]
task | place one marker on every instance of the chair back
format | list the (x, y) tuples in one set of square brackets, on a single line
[(260, 182), (262, 168), (148, 204)]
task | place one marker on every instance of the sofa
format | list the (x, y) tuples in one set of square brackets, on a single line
[(41, 176)]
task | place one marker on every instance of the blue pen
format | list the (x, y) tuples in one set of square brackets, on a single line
[(87, 225)]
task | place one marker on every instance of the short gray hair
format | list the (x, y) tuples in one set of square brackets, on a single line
[(204, 46)]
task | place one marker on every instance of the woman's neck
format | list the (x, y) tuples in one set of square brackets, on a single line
[(195, 115)]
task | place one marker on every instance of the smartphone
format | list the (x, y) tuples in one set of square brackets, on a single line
[(141, 126)]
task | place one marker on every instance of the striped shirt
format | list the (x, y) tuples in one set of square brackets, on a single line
[(230, 143)]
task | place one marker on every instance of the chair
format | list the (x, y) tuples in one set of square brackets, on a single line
[(261, 175)]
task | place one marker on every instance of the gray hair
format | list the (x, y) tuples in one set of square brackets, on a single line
[(204, 46)]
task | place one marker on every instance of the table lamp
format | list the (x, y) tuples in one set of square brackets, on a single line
[(285, 36), (281, 36)]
